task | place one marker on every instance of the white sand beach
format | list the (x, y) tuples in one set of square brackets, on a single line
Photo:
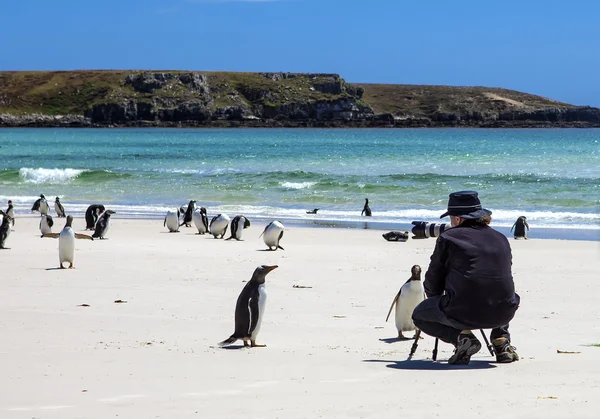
[(329, 351)]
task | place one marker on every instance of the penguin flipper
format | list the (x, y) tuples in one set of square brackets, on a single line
[(395, 301), (280, 236), (51, 235), (83, 236), (253, 307), (265, 230)]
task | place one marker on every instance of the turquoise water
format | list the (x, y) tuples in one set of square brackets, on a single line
[(551, 176)]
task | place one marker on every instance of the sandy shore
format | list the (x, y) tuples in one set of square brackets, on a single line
[(329, 352)]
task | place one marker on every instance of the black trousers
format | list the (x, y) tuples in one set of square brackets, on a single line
[(430, 319)]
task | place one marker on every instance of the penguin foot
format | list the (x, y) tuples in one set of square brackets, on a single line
[(256, 345), (246, 344)]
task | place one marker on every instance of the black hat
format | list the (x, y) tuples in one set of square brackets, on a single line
[(465, 204)]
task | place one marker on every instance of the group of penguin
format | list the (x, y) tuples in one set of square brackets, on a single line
[(218, 225)]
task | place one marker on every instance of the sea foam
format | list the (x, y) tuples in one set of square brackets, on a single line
[(42, 175)]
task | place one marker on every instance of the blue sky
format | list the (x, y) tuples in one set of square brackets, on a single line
[(550, 48)]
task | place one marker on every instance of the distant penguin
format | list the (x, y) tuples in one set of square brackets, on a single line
[(218, 225), (366, 209), (4, 229), (250, 309), (172, 221), (409, 296), (272, 234), (238, 224), (520, 226), (41, 205), (91, 215), (46, 223), (313, 211), (396, 236), (10, 211), (187, 215), (102, 225), (60, 210), (200, 220), (66, 243)]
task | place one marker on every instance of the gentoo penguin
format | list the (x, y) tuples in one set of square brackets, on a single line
[(41, 205), (313, 211), (238, 224), (91, 215), (396, 236), (187, 215), (102, 225), (519, 227), (272, 234), (60, 210), (66, 242), (46, 223), (10, 211), (218, 225), (200, 220), (250, 308), (172, 221), (409, 296), (366, 209), (4, 229)]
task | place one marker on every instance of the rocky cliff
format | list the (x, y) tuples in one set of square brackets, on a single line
[(179, 98)]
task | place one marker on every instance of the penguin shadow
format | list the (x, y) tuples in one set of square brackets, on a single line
[(234, 347), (396, 339), (429, 365), (56, 269)]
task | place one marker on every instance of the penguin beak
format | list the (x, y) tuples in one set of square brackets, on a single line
[(270, 268)]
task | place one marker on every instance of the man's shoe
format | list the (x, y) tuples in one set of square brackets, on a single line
[(467, 346), (505, 352)]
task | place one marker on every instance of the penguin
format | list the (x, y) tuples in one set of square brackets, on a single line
[(409, 296), (218, 225), (60, 210), (41, 205), (200, 220), (66, 242), (238, 224), (172, 221), (366, 209), (396, 236), (4, 229), (272, 234), (10, 211), (520, 226), (250, 309), (313, 211), (91, 215), (187, 215), (46, 223), (102, 225)]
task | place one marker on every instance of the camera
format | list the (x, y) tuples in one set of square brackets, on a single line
[(424, 230)]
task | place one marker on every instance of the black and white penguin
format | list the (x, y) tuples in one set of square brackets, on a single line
[(102, 225), (200, 219), (60, 210), (519, 227), (238, 224), (172, 221), (366, 209), (272, 234), (41, 205), (4, 229), (409, 296), (218, 225), (250, 309), (91, 215), (66, 242), (187, 215), (10, 211), (46, 223), (313, 211)]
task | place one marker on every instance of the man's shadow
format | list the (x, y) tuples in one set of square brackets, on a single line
[(428, 365)]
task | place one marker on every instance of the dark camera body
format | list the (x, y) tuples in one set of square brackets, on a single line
[(424, 230)]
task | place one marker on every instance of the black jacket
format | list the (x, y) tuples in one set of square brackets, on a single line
[(472, 264)]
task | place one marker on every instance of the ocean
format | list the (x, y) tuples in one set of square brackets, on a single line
[(551, 176)]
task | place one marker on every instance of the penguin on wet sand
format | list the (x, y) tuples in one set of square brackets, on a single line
[(218, 225), (187, 215), (519, 227), (238, 224), (46, 223), (409, 296), (200, 220), (4, 229), (102, 225), (272, 234), (60, 210), (66, 243), (313, 211), (41, 205), (91, 215), (172, 221), (366, 209), (10, 211), (250, 309)]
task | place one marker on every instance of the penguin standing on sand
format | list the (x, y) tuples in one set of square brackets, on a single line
[(238, 224), (200, 220), (10, 211), (66, 242), (409, 296), (41, 205), (4, 229), (172, 221), (46, 223), (102, 225), (187, 216), (218, 225), (91, 215), (366, 209), (250, 309), (520, 226), (60, 210), (272, 234)]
